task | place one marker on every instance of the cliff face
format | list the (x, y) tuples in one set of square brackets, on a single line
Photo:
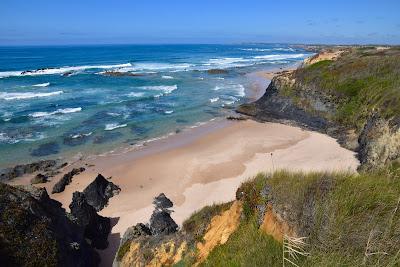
[(353, 96), (35, 230)]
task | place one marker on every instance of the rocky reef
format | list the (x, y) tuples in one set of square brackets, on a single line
[(20, 170), (99, 191), (36, 231)]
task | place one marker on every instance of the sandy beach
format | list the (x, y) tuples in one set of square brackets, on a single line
[(201, 166)]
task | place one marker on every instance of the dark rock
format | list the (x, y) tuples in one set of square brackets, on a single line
[(35, 231), (107, 137), (121, 74), (66, 180), (39, 179), (161, 223), (274, 107), (135, 231), (99, 191), (46, 149), (68, 73), (76, 139), (96, 227), (161, 202), (236, 118), (217, 71), (20, 170)]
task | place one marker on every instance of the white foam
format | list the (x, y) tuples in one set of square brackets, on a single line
[(167, 89), (239, 90), (27, 95), (157, 67), (41, 85), (215, 99), (279, 56), (168, 111), (81, 135), (58, 111), (31, 137), (267, 49), (50, 71), (113, 114), (167, 77), (112, 126), (136, 94)]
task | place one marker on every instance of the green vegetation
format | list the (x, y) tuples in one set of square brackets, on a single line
[(247, 246), (362, 81), (123, 249), (348, 219)]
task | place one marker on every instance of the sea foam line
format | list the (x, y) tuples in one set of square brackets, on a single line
[(50, 71), (112, 126), (41, 85), (27, 95), (58, 111)]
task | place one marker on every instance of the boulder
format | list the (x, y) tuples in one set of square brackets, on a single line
[(66, 180), (96, 227), (161, 223), (161, 202), (39, 179), (99, 191)]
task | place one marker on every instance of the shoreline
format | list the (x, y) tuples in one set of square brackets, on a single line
[(198, 167)]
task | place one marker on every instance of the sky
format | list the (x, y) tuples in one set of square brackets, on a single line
[(61, 22)]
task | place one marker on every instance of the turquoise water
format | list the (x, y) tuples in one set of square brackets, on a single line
[(59, 101)]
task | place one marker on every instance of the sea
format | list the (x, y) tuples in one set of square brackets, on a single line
[(63, 101)]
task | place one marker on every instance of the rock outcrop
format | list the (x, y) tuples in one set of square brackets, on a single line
[(66, 180), (159, 238), (99, 191), (20, 170), (379, 142), (36, 231), (332, 93), (96, 228), (161, 222)]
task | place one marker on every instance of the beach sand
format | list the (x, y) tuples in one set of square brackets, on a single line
[(200, 166)]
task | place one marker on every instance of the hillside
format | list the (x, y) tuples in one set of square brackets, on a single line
[(308, 219), (352, 94)]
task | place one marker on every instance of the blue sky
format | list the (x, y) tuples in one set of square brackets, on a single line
[(198, 21)]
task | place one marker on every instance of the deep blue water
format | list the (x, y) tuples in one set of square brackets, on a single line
[(58, 101)]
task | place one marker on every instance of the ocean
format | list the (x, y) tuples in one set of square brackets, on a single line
[(61, 101)]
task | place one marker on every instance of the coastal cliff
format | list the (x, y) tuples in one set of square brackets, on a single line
[(341, 220), (349, 93), (309, 219)]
